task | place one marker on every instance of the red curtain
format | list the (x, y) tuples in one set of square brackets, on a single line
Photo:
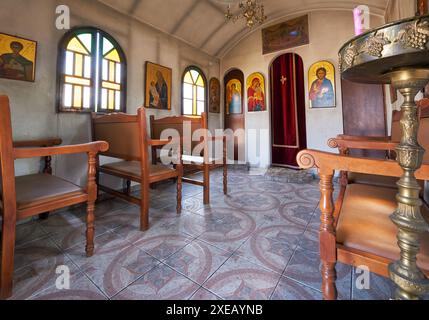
[(288, 109)]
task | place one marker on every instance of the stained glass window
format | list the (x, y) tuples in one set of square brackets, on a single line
[(193, 92), (91, 73)]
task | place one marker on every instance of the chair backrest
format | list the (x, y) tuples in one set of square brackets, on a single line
[(126, 134), (7, 168), (157, 126)]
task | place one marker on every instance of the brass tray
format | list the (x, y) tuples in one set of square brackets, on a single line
[(401, 44)]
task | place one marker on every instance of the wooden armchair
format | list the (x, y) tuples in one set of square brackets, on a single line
[(26, 196), (191, 162), (357, 230), (128, 140), (388, 144)]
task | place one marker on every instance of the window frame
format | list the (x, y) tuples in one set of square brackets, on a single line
[(61, 60), (187, 69)]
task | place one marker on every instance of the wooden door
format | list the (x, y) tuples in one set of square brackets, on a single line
[(234, 109)]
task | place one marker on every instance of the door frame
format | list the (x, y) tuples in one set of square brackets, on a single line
[(238, 74)]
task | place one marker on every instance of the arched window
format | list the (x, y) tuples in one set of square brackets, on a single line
[(91, 72), (194, 92)]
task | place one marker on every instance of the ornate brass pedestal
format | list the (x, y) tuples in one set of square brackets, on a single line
[(410, 280), (398, 54)]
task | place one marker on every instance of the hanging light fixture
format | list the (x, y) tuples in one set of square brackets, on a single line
[(250, 10)]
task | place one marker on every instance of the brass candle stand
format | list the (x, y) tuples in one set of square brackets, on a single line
[(398, 54), (410, 281)]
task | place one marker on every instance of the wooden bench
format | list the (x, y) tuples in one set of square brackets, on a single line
[(191, 162)]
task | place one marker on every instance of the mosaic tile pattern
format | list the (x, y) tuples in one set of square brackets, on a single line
[(258, 242)]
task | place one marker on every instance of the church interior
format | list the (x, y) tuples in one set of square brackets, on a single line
[(214, 150)]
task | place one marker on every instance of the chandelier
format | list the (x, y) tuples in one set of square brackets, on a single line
[(250, 10)]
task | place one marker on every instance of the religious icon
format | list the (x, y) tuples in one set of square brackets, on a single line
[(233, 97), (17, 58), (256, 92), (321, 78), (214, 105), (285, 35), (158, 86)]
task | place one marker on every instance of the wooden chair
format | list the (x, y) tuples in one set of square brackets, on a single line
[(128, 140), (191, 162), (357, 230), (26, 196), (346, 143)]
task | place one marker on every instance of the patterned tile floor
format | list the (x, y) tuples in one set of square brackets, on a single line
[(259, 242)]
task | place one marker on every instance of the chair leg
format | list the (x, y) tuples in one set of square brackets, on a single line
[(48, 170), (90, 228), (329, 276), (206, 185), (97, 176), (144, 208), (225, 179), (127, 189), (179, 195), (7, 260)]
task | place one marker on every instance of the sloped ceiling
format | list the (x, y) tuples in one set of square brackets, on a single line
[(202, 24)]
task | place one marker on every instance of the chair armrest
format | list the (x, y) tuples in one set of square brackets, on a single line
[(343, 144), (92, 147), (156, 143), (330, 162), (50, 142), (363, 138)]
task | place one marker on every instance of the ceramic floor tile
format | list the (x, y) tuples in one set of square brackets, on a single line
[(230, 232), (68, 228), (117, 218), (216, 203), (307, 193), (288, 289), (271, 247), (41, 274), (310, 240), (239, 279), (315, 221), (288, 234), (304, 267), (271, 187), (198, 261), (81, 288), (380, 288), (193, 204), (190, 224), (43, 249), (204, 295), (297, 212), (161, 245), (115, 263), (252, 201), (28, 232), (161, 283)]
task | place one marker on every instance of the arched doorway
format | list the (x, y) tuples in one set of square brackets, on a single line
[(234, 108), (288, 127)]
